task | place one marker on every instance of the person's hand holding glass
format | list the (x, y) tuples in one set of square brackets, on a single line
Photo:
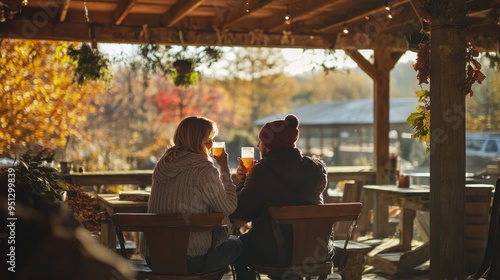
[(245, 162), (219, 153), (218, 148)]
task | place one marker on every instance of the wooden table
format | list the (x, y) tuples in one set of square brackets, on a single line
[(416, 198), (142, 178), (112, 204)]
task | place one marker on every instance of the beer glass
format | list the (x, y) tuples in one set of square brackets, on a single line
[(247, 157), (218, 148)]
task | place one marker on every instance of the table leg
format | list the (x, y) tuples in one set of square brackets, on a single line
[(108, 235), (381, 228), (406, 227)]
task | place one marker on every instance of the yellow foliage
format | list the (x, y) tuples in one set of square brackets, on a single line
[(39, 101)]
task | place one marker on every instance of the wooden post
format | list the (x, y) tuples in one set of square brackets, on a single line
[(447, 157), (379, 71)]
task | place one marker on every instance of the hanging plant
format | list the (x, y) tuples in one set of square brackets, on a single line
[(90, 65), (183, 66), (183, 74), (185, 80), (176, 61)]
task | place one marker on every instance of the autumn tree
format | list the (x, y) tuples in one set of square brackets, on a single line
[(40, 102), (257, 87), (124, 131), (482, 108), (174, 103)]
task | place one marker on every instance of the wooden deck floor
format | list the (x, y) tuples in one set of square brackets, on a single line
[(420, 273)]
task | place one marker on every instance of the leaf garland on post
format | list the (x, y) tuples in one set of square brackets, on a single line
[(474, 73), (420, 120)]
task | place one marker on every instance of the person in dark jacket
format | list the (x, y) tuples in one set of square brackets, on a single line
[(282, 177)]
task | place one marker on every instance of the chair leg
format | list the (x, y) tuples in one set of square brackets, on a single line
[(232, 272)]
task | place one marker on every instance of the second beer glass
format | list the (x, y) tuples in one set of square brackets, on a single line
[(247, 157)]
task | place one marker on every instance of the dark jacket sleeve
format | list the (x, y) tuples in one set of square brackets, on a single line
[(251, 196)]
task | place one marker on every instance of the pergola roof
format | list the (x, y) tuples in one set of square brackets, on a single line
[(314, 24)]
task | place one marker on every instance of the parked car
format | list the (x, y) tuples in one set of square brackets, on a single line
[(480, 149)]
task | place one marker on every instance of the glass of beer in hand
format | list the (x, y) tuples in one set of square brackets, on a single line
[(247, 157), (218, 148)]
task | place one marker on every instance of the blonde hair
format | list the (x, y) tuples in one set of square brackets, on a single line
[(192, 134)]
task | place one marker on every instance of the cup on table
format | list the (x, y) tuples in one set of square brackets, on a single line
[(247, 157), (218, 148), (404, 181)]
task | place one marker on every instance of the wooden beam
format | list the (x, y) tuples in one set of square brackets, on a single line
[(64, 10), (379, 71), (122, 10), (179, 10), (242, 11), (297, 12), (447, 139), (162, 35), (362, 62), (339, 23), (420, 10)]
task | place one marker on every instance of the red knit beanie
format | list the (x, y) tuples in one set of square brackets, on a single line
[(280, 134)]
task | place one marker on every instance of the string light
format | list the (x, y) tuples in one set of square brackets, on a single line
[(247, 9), (2, 15), (25, 2), (287, 15), (344, 29), (389, 15)]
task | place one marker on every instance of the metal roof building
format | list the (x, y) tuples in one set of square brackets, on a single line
[(347, 113), (341, 132)]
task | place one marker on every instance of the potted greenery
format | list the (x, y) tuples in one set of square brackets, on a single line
[(90, 64), (39, 185), (178, 62), (34, 177), (183, 74)]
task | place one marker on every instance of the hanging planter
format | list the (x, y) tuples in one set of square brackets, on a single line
[(183, 66), (183, 74), (90, 65), (177, 62), (186, 80)]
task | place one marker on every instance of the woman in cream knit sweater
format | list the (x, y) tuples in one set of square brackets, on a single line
[(185, 180)]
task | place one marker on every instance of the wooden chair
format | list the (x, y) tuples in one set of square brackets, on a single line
[(312, 226), (352, 193), (167, 238), (490, 265)]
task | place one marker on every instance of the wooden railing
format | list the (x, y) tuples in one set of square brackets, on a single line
[(142, 178)]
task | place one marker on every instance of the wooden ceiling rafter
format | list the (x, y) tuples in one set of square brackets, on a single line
[(64, 10), (314, 24), (420, 10), (242, 11), (179, 11), (298, 14), (123, 10), (362, 16)]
